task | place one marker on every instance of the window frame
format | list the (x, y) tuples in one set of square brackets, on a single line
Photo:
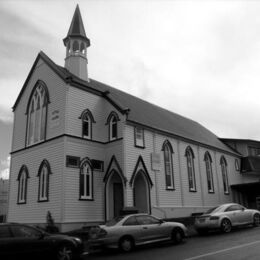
[(168, 165), (44, 181), (36, 123), (84, 182), (190, 169), (209, 173), (142, 142), (87, 118), (23, 177), (112, 122), (224, 172)]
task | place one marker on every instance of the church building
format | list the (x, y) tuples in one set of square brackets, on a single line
[(85, 151)]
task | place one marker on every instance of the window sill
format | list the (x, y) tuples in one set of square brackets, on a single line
[(192, 190), (139, 146), (43, 200), (169, 189), (86, 199)]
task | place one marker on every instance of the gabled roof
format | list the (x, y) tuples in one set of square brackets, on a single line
[(139, 111)]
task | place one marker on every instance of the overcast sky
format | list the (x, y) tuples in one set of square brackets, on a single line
[(200, 59)]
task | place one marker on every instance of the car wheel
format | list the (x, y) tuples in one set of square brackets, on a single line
[(225, 225), (64, 252), (256, 221), (126, 244), (177, 236)]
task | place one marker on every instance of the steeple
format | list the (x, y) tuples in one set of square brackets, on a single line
[(76, 43)]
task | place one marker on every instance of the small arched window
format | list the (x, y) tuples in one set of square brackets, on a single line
[(208, 164), (223, 164), (44, 177), (87, 121), (112, 121), (82, 48), (22, 185), (86, 180), (167, 152), (37, 114), (190, 167)]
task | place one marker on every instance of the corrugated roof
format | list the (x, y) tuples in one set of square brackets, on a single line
[(140, 111)]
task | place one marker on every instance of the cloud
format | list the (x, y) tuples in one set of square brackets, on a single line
[(6, 115), (5, 168)]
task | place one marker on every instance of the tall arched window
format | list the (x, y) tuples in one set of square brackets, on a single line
[(190, 167), (87, 120), (112, 122), (22, 185), (223, 164), (167, 152), (208, 164), (86, 180), (37, 114), (44, 177)]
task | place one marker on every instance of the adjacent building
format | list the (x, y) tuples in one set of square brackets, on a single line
[(85, 151), (4, 186)]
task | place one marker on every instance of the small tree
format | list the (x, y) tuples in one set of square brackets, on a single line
[(51, 228)]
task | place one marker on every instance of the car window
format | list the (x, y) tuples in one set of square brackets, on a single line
[(147, 220), (131, 221), (23, 231), (114, 221), (5, 232), (233, 208)]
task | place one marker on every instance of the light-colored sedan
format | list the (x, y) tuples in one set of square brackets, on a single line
[(126, 232), (226, 216)]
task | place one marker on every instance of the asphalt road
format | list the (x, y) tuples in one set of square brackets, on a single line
[(239, 244)]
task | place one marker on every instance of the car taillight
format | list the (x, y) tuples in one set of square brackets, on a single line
[(214, 218)]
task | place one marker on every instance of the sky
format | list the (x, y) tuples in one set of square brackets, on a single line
[(200, 59)]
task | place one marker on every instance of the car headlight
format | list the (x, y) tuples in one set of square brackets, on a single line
[(78, 240)]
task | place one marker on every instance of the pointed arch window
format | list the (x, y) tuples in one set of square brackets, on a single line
[(190, 167), (169, 177), (112, 122), (44, 177), (22, 185), (37, 114), (208, 165), (223, 164), (86, 180), (87, 124)]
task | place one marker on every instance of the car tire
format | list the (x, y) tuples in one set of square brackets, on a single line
[(225, 225), (256, 220), (64, 252), (126, 244), (177, 236)]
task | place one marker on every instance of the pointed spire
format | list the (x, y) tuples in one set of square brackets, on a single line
[(77, 27)]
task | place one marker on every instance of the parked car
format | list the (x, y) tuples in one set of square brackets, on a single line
[(226, 216), (24, 241), (126, 232)]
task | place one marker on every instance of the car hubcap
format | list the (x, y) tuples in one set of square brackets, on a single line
[(226, 226), (126, 245), (257, 220), (64, 253)]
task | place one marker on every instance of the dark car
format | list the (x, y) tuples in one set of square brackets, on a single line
[(24, 241)]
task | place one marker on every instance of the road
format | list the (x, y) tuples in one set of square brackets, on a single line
[(237, 245)]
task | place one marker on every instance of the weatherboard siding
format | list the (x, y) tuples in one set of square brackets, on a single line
[(76, 210), (77, 101), (57, 92), (34, 211)]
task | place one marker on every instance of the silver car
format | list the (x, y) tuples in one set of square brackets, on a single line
[(226, 216), (126, 232)]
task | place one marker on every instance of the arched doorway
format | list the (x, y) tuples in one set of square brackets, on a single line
[(114, 195), (141, 192)]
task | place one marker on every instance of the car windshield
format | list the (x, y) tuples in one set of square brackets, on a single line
[(114, 221)]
